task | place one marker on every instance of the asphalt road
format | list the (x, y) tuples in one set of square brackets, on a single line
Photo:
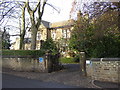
[(10, 81)]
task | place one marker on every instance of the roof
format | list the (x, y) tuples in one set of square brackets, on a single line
[(55, 25), (62, 24), (45, 23)]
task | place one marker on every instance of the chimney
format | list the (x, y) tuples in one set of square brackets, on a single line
[(79, 14)]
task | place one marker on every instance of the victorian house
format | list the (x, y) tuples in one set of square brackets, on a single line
[(60, 32)]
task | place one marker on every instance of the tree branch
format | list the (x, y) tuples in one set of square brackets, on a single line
[(6, 13), (37, 6), (28, 6), (53, 7), (43, 7), (40, 13), (39, 9)]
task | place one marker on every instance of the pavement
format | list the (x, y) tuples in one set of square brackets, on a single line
[(11, 81), (106, 84), (70, 76)]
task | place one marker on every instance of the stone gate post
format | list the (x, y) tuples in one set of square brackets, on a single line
[(83, 63), (48, 62)]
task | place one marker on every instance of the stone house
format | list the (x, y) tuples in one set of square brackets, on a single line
[(60, 32)]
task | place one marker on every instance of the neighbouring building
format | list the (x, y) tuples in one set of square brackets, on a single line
[(5, 39), (16, 45)]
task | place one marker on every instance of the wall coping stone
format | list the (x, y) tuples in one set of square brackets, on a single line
[(105, 59)]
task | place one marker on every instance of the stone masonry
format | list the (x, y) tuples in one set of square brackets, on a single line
[(104, 69), (24, 64)]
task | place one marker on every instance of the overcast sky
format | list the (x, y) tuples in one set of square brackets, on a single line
[(51, 15), (63, 6)]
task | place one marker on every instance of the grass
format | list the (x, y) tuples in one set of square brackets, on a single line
[(67, 60)]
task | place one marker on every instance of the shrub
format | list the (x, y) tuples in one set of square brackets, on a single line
[(108, 46), (34, 53), (49, 45), (71, 53), (76, 58)]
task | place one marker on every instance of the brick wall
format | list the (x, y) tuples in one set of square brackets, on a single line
[(104, 69)]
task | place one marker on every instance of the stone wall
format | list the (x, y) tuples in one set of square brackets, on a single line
[(104, 69), (47, 63), (24, 64)]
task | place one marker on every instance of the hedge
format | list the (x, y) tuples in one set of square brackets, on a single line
[(33, 53)]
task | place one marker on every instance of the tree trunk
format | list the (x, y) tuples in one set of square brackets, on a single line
[(22, 35), (33, 36), (34, 30), (83, 63)]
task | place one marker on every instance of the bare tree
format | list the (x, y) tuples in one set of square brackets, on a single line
[(92, 7), (35, 25), (14, 10)]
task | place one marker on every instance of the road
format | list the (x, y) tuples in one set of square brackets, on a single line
[(10, 81)]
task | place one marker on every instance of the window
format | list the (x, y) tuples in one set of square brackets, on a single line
[(53, 35), (64, 32), (38, 36), (68, 33)]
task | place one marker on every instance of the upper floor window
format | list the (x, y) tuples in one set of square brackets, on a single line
[(66, 33), (53, 35), (38, 36)]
